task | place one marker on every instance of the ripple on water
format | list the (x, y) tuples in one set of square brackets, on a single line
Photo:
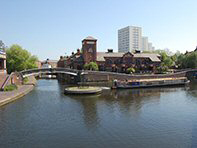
[(156, 117)]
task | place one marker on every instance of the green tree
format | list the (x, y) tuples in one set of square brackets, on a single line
[(91, 66), (86, 66), (166, 60), (19, 59), (162, 68), (190, 60), (181, 61)]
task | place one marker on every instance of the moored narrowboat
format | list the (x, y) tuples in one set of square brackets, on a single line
[(157, 82)]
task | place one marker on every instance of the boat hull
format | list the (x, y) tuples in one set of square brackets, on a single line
[(152, 84)]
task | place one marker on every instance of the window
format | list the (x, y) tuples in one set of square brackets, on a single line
[(108, 61), (90, 50)]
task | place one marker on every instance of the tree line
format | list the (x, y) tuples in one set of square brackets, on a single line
[(17, 58), (176, 61)]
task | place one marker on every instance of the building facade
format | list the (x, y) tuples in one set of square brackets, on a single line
[(129, 39), (150, 46), (109, 60), (144, 44), (47, 62), (3, 70), (3, 62)]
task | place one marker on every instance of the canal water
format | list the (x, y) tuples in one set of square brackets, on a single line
[(155, 118)]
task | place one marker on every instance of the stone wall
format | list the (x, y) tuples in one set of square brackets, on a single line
[(95, 76)]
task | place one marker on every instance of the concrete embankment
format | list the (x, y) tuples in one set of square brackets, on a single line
[(7, 97)]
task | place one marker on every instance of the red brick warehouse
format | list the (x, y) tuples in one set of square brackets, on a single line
[(110, 61)]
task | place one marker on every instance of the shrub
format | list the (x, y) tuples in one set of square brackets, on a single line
[(10, 87), (25, 80), (162, 69), (130, 70), (91, 66)]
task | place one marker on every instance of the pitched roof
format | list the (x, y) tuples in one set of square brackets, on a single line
[(101, 55), (152, 56)]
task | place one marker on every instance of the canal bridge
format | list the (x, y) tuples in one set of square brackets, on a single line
[(73, 76), (49, 71), (67, 74)]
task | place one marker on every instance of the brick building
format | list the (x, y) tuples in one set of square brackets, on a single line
[(2, 62), (3, 71), (109, 60), (52, 63)]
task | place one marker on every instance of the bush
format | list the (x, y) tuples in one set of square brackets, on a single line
[(91, 66), (25, 80), (10, 87), (86, 66), (130, 70), (162, 69)]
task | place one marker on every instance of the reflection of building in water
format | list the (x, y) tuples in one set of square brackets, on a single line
[(129, 102), (132, 100), (90, 116)]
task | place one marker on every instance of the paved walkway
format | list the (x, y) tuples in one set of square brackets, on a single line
[(7, 97)]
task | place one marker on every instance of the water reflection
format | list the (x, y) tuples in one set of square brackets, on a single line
[(152, 117), (128, 101), (192, 91), (89, 106)]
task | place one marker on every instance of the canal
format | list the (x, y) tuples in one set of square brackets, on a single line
[(155, 118)]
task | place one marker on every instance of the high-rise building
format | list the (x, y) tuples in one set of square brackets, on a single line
[(150, 46), (129, 39), (144, 44)]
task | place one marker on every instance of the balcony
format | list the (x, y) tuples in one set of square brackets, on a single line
[(2, 51)]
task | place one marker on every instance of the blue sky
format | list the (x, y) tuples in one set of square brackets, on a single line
[(50, 28)]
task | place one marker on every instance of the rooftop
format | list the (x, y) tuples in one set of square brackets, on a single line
[(152, 56), (90, 38), (101, 55)]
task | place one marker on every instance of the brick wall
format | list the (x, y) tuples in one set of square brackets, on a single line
[(94, 76)]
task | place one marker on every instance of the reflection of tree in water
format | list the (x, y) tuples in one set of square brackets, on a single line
[(192, 91), (192, 94), (89, 109), (131, 100), (127, 101)]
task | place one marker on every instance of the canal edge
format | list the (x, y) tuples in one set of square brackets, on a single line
[(17, 96), (20, 93)]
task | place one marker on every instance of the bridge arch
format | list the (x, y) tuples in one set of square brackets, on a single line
[(37, 71)]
